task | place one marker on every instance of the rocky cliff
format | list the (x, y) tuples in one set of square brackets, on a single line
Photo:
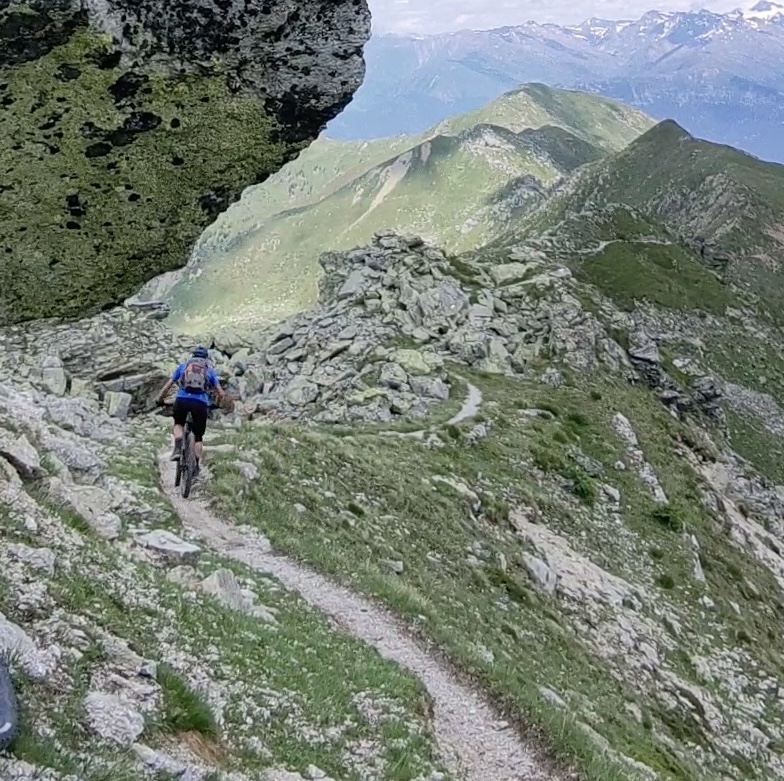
[(127, 127)]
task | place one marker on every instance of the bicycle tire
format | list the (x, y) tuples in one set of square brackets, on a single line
[(181, 460), (9, 708), (187, 457), (190, 467)]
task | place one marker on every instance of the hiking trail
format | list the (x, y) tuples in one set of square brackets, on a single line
[(469, 409), (475, 743)]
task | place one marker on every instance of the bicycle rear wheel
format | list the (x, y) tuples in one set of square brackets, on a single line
[(188, 459)]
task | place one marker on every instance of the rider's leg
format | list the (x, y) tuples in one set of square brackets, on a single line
[(179, 415), (199, 417)]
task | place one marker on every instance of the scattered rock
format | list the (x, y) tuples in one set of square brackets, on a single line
[(113, 718), (223, 585), (118, 404), (170, 546)]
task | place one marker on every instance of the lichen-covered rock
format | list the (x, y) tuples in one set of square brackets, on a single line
[(127, 127)]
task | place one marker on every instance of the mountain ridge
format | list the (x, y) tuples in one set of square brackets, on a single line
[(464, 163)]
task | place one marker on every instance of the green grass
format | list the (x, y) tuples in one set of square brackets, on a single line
[(751, 438), (297, 686), (138, 210), (184, 710), (666, 159), (755, 363), (667, 276), (329, 164), (696, 190), (466, 605), (597, 120)]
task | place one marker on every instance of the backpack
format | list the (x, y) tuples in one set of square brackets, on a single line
[(194, 376)]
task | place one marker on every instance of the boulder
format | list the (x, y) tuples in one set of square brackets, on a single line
[(301, 391), (113, 718), (22, 456), (118, 404), (212, 97), (412, 362)]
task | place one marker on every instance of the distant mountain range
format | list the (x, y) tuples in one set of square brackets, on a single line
[(720, 76)]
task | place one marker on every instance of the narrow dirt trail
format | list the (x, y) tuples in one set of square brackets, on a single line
[(470, 408), (475, 743), (607, 242)]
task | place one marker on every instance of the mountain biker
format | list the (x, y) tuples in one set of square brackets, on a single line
[(195, 379)]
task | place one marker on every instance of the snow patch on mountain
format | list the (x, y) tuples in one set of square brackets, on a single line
[(764, 11)]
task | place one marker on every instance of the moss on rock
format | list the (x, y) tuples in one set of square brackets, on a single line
[(116, 152)]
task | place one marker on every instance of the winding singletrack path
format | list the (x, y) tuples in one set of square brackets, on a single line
[(475, 743)]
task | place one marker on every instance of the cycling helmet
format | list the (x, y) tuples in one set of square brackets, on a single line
[(200, 352)]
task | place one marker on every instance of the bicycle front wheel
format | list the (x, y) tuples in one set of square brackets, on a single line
[(178, 471)]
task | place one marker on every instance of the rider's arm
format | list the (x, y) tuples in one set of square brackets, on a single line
[(216, 386), (171, 381)]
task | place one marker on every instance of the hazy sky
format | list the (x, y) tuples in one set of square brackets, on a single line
[(433, 16)]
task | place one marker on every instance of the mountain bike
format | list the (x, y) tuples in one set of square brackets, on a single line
[(9, 707), (186, 464)]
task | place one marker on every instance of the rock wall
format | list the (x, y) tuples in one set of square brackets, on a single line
[(128, 126)]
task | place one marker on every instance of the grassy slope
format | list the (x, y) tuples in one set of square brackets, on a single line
[(295, 694), (433, 191), (321, 169), (454, 185), (370, 500), (634, 258), (700, 191), (666, 202), (327, 165), (666, 162), (600, 121)]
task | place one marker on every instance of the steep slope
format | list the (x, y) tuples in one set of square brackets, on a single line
[(722, 207), (127, 127), (447, 187), (718, 75), (327, 164), (461, 186), (542, 484), (318, 171)]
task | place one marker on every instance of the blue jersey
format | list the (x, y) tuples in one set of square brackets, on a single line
[(212, 379)]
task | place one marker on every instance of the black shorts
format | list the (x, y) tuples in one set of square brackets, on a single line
[(199, 412)]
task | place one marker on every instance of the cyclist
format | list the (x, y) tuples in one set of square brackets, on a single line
[(195, 379)]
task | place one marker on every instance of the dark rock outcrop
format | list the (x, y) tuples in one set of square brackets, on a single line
[(127, 127)]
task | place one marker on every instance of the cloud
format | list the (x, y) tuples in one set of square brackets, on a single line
[(435, 16)]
